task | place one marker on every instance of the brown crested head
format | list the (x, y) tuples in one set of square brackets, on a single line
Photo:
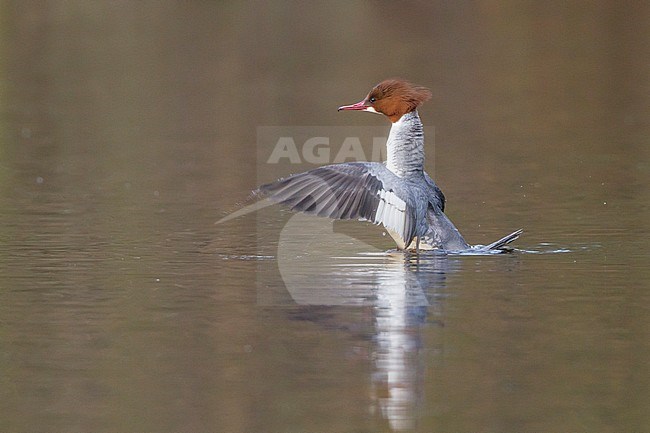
[(393, 98)]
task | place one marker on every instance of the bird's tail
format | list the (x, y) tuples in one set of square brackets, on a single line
[(501, 243)]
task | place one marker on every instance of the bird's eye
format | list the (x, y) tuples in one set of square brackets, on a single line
[(373, 100)]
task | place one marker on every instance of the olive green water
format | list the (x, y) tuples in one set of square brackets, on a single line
[(127, 129)]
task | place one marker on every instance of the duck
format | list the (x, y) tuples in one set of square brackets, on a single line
[(397, 194)]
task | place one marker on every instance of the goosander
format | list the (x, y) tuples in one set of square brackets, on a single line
[(397, 194)]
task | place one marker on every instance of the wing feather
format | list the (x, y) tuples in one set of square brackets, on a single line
[(363, 191)]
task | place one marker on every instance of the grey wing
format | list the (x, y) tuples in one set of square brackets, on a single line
[(441, 232), (357, 190), (438, 198)]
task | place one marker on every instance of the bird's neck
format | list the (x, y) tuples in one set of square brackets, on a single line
[(405, 145)]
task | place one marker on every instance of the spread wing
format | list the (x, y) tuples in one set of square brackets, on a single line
[(358, 190)]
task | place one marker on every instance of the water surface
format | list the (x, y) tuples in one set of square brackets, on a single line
[(127, 130)]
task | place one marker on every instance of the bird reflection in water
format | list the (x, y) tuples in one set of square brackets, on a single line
[(401, 290), (405, 295)]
